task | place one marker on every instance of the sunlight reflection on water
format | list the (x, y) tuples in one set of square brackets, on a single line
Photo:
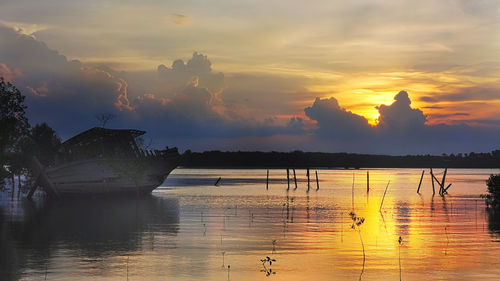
[(191, 230)]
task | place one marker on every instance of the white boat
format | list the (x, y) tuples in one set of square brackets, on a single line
[(103, 161)]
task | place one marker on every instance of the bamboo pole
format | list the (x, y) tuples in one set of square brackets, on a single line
[(432, 179), (446, 189), (420, 183), (317, 181), (288, 178), (267, 179), (352, 192), (367, 181), (295, 178), (443, 180), (382, 203)]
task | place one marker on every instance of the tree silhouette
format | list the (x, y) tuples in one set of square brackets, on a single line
[(14, 128), (104, 118)]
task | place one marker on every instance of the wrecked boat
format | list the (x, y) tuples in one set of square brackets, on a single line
[(104, 161)]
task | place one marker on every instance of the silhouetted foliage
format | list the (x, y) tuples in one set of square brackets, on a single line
[(46, 143), (14, 128), (493, 196)]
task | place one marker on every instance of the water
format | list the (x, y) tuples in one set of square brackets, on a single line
[(189, 229)]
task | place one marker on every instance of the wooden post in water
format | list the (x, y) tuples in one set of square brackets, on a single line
[(420, 183), (308, 181), (317, 181), (432, 179), (441, 190), (267, 180), (367, 181), (288, 178), (295, 178), (446, 189)]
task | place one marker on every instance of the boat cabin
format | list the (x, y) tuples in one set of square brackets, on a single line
[(101, 143)]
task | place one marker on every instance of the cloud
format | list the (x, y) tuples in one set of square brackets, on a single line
[(9, 74), (65, 93), (401, 130), (182, 101), (399, 115), (189, 103), (179, 19), (334, 121), (479, 93), (197, 70)]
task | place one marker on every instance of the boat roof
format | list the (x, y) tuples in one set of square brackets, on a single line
[(99, 133)]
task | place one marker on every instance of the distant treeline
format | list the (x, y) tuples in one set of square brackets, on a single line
[(299, 159)]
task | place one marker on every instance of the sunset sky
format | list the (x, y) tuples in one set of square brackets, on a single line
[(392, 76)]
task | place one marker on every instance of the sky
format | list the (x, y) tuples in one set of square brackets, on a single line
[(367, 76)]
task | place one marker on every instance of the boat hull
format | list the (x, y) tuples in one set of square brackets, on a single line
[(104, 176)]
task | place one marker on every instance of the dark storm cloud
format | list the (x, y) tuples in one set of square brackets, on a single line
[(334, 121), (399, 115), (64, 93), (183, 101)]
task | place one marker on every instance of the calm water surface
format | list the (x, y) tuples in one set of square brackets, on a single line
[(189, 229)]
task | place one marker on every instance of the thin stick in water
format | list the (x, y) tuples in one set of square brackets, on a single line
[(317, 181), (352, 191), (267, 179), (288, 178), (367, 181), (382, 203), (295, 178), (420, 183)]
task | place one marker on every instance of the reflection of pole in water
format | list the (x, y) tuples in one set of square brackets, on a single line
[(295, 179), (341, 227), (447, 240), (308, 181), (307, 208), (352, 191), (476, 213)]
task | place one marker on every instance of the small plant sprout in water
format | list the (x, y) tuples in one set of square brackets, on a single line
[(400, 241), (356, 225), (268, 270), (228, 269)]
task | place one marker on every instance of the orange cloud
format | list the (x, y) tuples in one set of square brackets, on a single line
[(8, 74)]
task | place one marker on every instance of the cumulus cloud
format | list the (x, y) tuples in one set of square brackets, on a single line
[(183, 101), (334, 121), (399, 115), (197, 70), (401, 130), (189, 103), (65, 93)]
